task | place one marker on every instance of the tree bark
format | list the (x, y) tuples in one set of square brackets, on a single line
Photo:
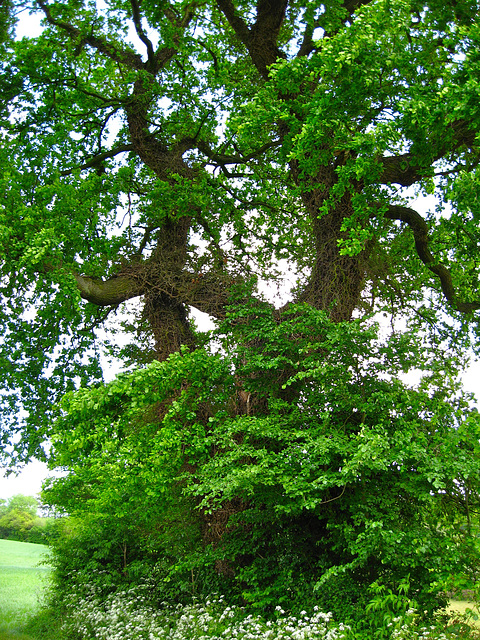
[(336, 281)]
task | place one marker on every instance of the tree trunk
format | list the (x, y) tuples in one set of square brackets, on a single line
[(336, 280), (163, 308), (169, 324)]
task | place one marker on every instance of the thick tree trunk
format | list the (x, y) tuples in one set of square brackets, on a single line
[(169, 324), (336, 281), (163, 306)]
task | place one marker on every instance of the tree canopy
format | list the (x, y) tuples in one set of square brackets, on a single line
[(19, 520), (175, 153), (159, 157)]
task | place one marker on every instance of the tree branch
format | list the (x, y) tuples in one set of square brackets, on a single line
[(400, 169), (106, 293), (97, 160), (201, 291), (112, 51), (307, 45), (153, 152), (224, 159), (420, 234), (235, 21), (137, 21), (261, 39), (352, 5), (405, 169), (163, 55)]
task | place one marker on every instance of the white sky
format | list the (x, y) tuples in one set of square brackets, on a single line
[(28, 483)]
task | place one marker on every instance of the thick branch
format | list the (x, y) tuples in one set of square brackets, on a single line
[(261, 39), (137, 21), (235, 21), (400, 170), (97, 160), (270, 17), (163, 55), (352, 5), (156, 59), (307, 45), (420, 233), (106, 293), (405, 169), (206, 292), (163, 161)]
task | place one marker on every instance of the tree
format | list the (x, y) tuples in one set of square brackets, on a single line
[(19, 520), (177, 154), (26, 504)]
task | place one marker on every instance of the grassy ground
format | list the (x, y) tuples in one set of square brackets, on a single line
[(22, 580), (462, 607)]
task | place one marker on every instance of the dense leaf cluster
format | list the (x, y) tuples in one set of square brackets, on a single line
[(20, 521), (307, 497), (176, 152)]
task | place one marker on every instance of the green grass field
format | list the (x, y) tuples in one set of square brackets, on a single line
[(22, 580)]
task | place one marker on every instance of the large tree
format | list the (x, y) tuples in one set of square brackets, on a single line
[(158, 157)]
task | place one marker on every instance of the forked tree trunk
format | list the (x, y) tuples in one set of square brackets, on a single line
[(163, 308)]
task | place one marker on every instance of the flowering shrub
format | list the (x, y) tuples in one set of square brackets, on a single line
[(130, 615)]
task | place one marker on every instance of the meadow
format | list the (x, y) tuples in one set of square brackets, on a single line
[(22, 581)]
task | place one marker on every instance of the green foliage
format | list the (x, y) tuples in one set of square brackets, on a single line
[(25, 504), (325, 488), (6, 21), (19, 520), (389, 611), (99, 155), (133, 615), (188, 154)]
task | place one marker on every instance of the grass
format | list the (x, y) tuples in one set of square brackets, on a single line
[(463, 607), (22, 580)]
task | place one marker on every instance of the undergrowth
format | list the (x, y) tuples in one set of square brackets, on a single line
[(131, 615)]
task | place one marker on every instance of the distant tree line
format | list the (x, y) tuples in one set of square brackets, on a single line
[(19, 520)]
